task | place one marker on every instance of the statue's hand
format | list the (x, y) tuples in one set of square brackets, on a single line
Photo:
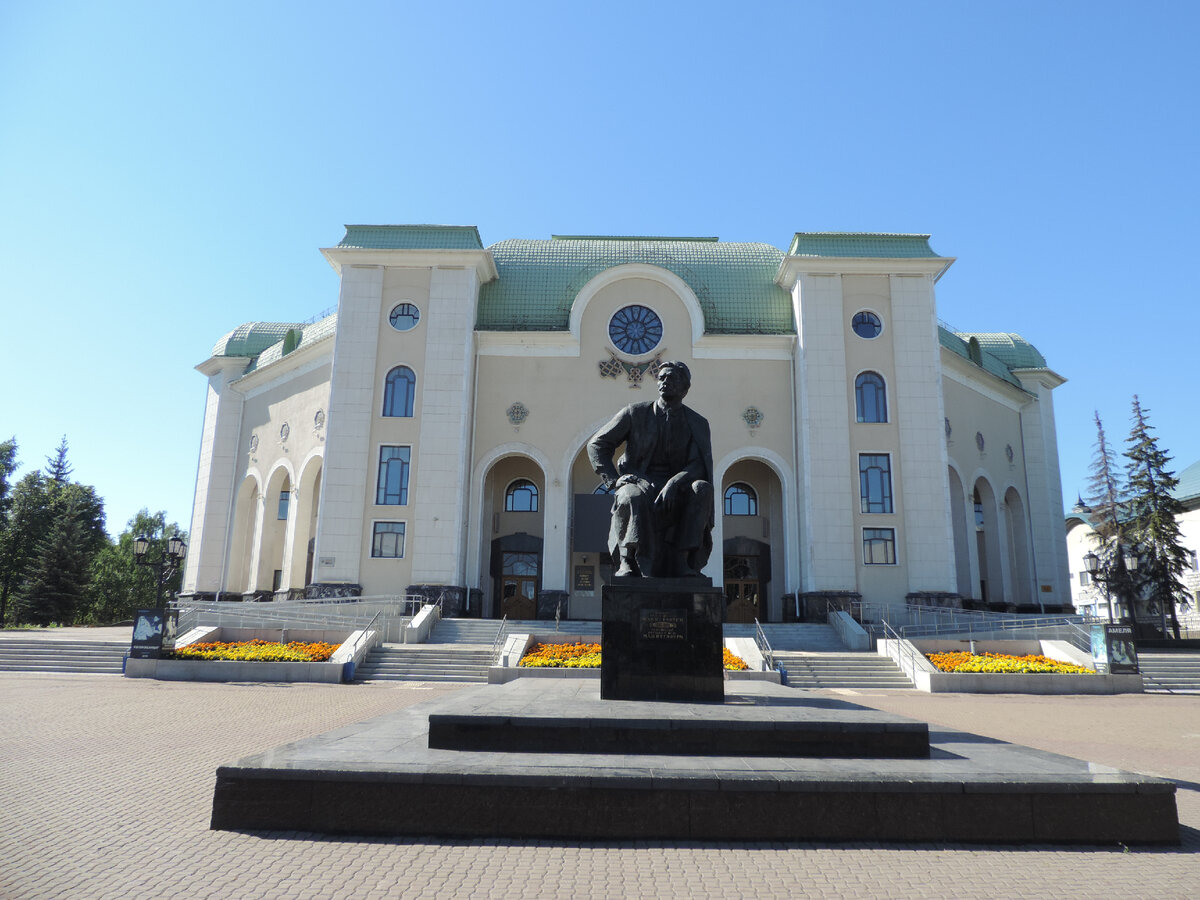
[(670, 491), (624, 480)]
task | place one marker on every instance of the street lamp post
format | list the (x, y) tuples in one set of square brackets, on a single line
[(167, 565), (1092, 563)]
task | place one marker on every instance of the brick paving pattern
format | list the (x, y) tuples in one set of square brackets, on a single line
[(106, 787)]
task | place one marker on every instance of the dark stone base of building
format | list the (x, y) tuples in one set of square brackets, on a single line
[(662, 639), (383, 778)]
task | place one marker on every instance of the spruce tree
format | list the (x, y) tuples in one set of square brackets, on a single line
[(58, 576), (1153, 517), (57, 467), (1106, 497)]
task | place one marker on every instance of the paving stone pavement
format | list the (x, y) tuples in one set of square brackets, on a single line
[(106, 788)]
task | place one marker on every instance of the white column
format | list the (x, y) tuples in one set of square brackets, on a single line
[(1046, 513), (919, 412), (441, 466), (828, 542), (347, 446), (555, 519), (216, 488)]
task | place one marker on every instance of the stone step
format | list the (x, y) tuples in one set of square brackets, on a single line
[(1164, 671), (842, 670), (68, 657)]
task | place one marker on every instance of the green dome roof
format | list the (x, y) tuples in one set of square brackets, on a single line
[(1011, 349), (252, 338)]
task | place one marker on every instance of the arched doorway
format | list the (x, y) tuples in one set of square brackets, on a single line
[(514, 501), (241, 544), (1021, 577), (962, 549), (751, 509), (987, 542)]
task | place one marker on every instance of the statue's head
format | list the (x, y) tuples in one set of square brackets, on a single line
[(674, 380)]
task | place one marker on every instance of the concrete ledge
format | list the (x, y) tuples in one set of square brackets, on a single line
[(225, 670), (980, 683)]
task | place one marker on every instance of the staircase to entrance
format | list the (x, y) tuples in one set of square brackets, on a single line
[(62, 656)]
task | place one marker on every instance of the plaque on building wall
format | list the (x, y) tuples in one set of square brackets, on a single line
[(662, 624), (585, 580)]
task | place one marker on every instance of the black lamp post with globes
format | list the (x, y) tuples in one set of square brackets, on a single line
[(167, 564)]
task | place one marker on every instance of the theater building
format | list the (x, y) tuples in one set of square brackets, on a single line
[(430, 435)]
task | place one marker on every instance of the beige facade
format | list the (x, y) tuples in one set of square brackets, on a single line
[(430, 435)]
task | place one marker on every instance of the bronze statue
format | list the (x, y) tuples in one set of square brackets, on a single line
[(662, 515)]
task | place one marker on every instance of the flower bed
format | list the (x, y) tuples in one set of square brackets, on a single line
[(1003, 663), (256, 651), (562, 656), (587, 656)]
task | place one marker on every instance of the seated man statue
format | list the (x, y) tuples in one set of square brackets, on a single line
[(662, 515)]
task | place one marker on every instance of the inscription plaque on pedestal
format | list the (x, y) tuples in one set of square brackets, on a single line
[(661, 639)]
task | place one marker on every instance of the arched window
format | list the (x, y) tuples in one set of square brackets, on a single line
[(870, 397), (399, 390), (740, 500), (604, 488), (521, 496)]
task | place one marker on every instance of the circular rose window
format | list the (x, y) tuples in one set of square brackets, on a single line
[(635, 330)]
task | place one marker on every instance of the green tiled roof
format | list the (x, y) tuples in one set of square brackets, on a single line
[(309, 334), (411, 237), (734, 282), (1189, 483), (1011, 349), (841, 244), (957, 342), (252, 338)]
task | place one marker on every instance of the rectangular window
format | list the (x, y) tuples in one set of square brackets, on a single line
[(284, 497), (388, 540), (1192, 562), (276, 579), (1083, 579), (879, 546), (392, 487), (875, 482)]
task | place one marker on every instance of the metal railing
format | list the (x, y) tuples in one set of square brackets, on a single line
[(906, 654), (218, 614), (364, 635), (498, 643), (764, 646)]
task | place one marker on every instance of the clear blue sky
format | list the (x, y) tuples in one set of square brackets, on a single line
[(169, 171)]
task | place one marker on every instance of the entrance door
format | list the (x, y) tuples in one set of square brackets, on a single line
[(519, 585), (743, 592)]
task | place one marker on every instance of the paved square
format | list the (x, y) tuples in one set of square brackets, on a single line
[(106, 790)]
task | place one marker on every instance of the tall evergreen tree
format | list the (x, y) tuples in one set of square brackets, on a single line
[(58, 576), (57, 467), (1106, 497), (1153, 517), (8, 465), (29, 518)]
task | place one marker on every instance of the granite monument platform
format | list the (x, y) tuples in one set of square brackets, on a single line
[(661, 639), (383, 777)]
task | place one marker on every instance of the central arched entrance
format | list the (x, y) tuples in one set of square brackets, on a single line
[(514, 500)]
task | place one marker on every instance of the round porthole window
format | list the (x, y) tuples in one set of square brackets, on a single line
[(866, 325), (635, 330), (405, 317)]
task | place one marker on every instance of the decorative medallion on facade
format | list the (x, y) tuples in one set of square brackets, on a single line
[(752, 416), (254, 443), (949, 430), (284, 431), (979, 440), (1008, 451), (634, 372), (517, 413)]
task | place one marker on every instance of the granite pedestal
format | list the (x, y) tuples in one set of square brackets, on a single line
[(661, 639), (384, 777)]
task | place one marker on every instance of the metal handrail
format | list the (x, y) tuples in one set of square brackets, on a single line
[(370, 627), (498, 643), (764, 646), (905, 650)]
